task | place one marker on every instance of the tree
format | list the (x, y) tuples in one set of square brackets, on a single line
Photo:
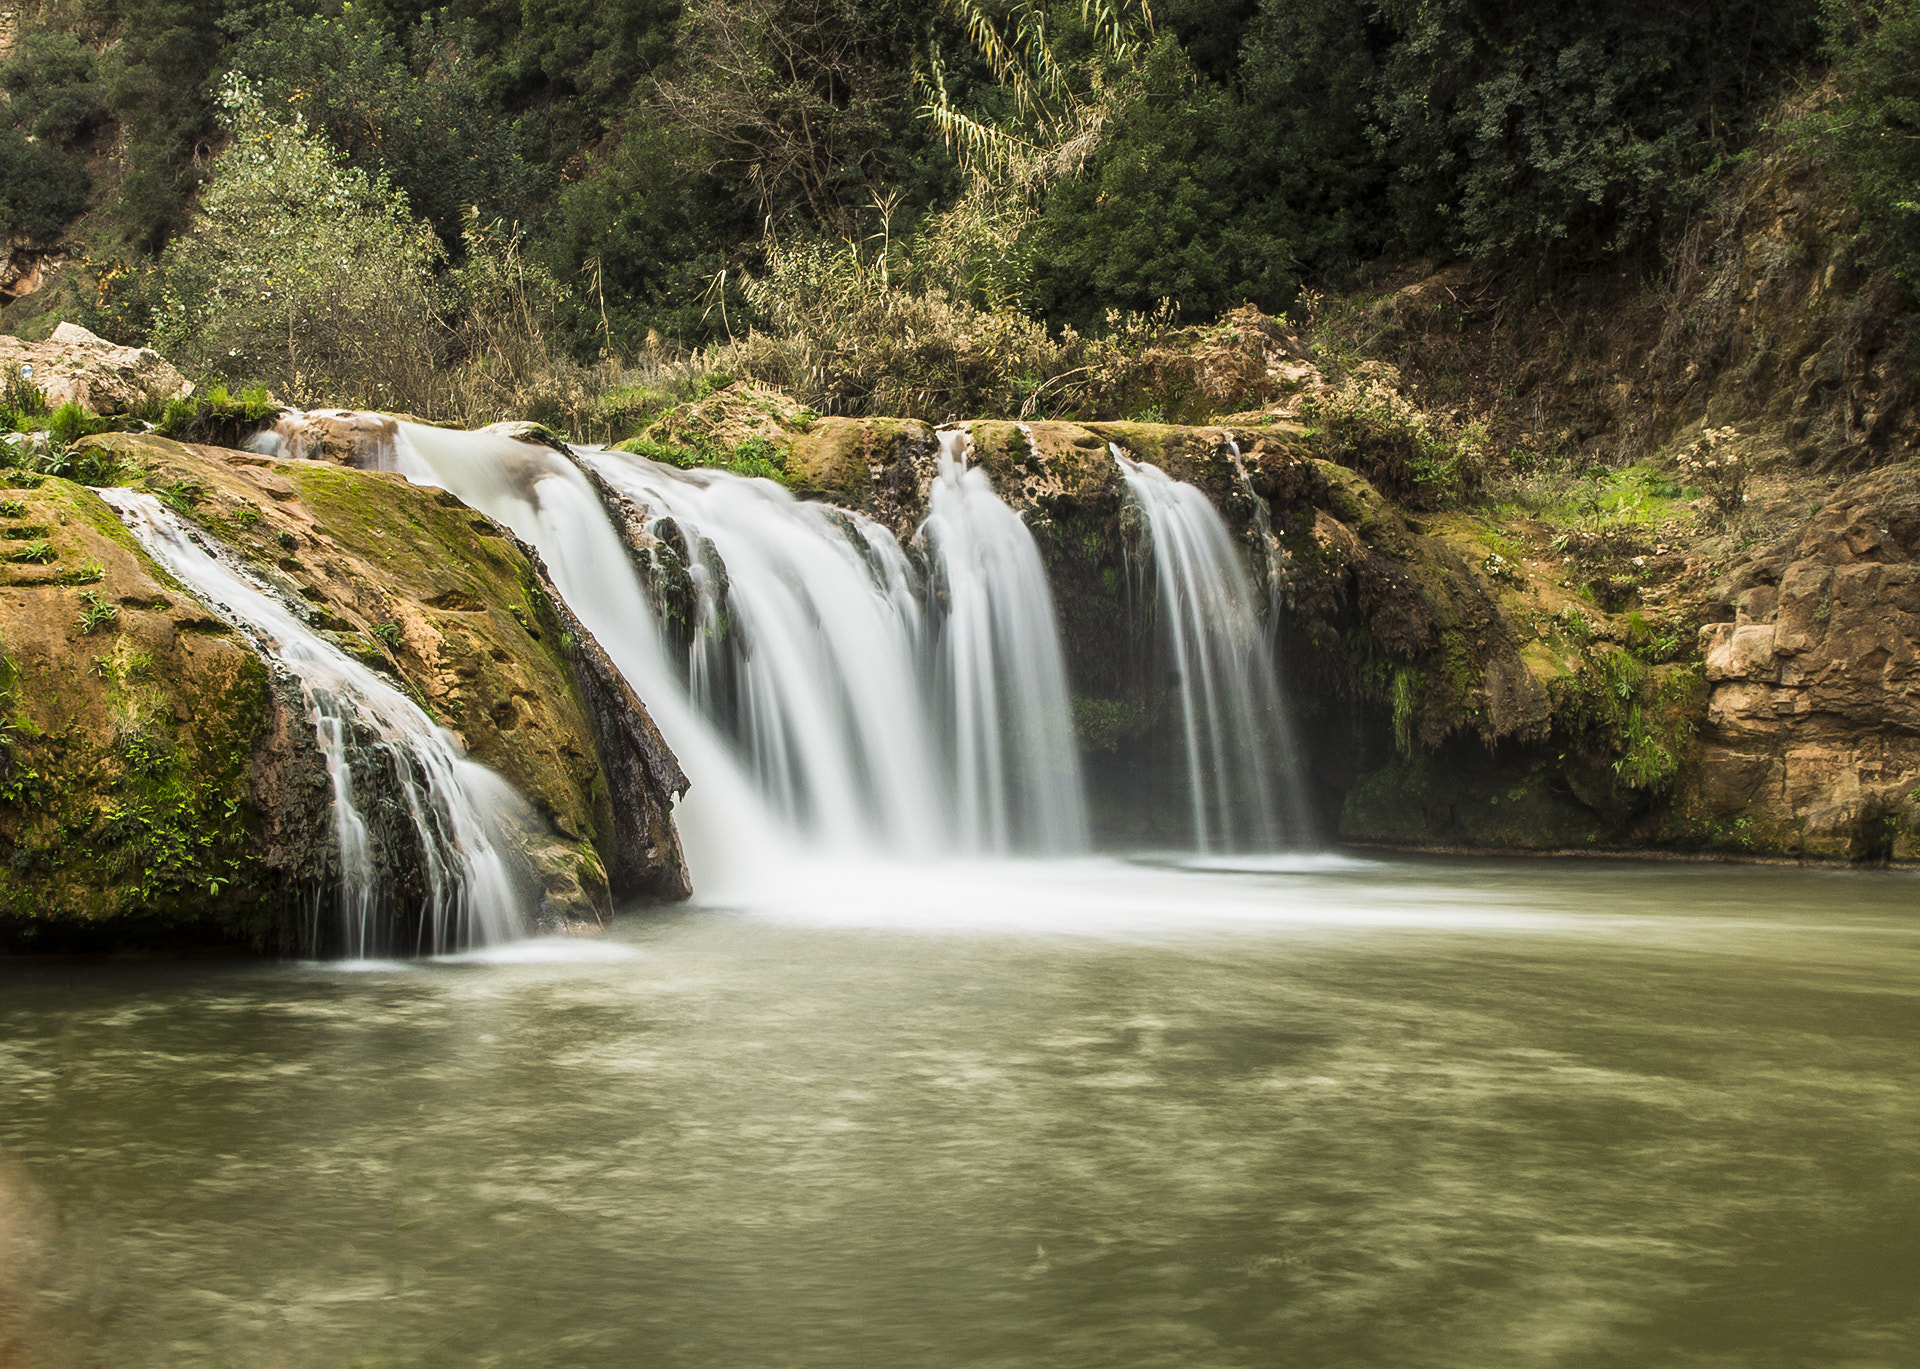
[(1543, 134), (782, 98), (300, 271), (415, 111)]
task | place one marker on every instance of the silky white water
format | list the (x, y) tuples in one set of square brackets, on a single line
[(456, 808), (833, 696), (1219, 659), (1003, 682)]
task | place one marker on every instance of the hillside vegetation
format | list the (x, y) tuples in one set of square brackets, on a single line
[(578, 212)]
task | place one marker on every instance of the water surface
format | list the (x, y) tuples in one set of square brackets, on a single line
[(1301, 1112)]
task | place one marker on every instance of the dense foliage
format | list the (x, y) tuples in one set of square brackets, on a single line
[(1876, 123), (1055, 160), (299, 269)]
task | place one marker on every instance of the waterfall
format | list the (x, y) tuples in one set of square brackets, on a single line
[(805, 649), (1220, 661), (729, 833), (1003, 681), (445, 829), (831, 690)]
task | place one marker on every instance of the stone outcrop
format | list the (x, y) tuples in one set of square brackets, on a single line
[(162, 787), (25, 266), (131, 716), (1812, 736), (74, 366)]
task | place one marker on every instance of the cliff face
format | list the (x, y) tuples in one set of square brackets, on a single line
[(163, 786), (1811, 741)]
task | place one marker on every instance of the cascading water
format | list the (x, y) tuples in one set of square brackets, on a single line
[(806, 639), (1003, 681), (451, 811), (1219, 659), (832, 692), (730, 837)]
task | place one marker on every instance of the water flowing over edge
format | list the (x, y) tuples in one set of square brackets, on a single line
[(836, 693), (453, 813), (1231, 710)]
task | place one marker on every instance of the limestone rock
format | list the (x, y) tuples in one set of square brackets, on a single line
[(25, 267), (346, 437), (1812, 733), (76, 367)]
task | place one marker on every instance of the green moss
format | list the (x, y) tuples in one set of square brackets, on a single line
[(1102, 724), (1387, 804), (154, 818), (755, 458), (1642, 718)]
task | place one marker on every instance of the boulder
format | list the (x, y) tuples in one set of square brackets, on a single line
[(161, 786), (75, 366)]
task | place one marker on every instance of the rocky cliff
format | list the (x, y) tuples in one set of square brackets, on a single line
[(1811, 741)]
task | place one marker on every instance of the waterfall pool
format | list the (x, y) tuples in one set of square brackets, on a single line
[(1307, 1111)]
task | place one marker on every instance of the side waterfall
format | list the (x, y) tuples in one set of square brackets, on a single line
[(837, 691), (373, 738), (1220, 660)]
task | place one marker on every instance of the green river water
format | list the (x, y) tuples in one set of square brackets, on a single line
[(1315, 1113)]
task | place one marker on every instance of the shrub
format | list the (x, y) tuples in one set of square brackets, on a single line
[(218, 417), (1541, 133), (1715, 469), (42, 190), (300, 272), (1368, 425)]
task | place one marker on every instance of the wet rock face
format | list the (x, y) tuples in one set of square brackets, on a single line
[(1813, 722), (642, 774), (75, 366)]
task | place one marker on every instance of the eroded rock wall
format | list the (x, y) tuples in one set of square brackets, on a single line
[(1811, 741)]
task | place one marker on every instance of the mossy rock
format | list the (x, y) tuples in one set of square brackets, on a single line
[(407, 578), (132, 719)]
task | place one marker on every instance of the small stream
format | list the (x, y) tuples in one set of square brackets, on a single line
[(1302, 1111)]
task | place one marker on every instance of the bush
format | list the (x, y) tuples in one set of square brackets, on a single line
[(1542, 134), (42, 190), (216, 417), (421, 117), (1720, 473), (300, 272), (52, 90), (1368, 425)]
